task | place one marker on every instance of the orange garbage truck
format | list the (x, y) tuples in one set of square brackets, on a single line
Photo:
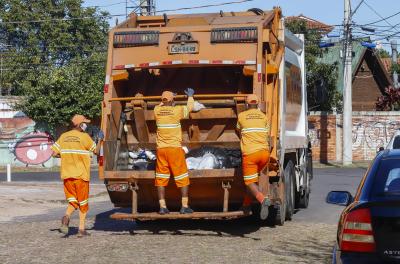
[(224, 57)]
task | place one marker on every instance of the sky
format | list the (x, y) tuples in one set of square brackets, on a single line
[(327, 11)]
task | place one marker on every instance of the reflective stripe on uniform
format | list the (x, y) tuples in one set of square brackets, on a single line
[(185, 112), (71, 200), (56, 146), (254, 129), (75, 151), (163, 176), (84, 202), (250, 177), (93, 148), (168, 125), (182, 176)]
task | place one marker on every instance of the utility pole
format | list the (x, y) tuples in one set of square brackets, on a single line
[(347, 158), (142, 7), (394, 61)]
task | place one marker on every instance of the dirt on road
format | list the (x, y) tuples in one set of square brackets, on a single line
[(197, 241)]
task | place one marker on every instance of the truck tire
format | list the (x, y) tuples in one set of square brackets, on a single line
[(289, 190), (277, 215), (304, 199)]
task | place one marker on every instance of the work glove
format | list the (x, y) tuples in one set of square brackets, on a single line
[(189, 92), (100, 135)]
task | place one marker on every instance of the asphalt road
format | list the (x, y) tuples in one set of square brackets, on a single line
[(325, 180)]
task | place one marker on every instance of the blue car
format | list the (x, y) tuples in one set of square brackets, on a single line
[(369, 226)]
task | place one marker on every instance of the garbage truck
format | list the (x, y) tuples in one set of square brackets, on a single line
[(224, 56)]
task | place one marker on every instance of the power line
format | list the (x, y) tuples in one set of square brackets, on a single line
[(373, 10), (204, 6), (383, 19), (118, 15)]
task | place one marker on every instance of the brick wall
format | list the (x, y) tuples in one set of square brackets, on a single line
[(371, 130)]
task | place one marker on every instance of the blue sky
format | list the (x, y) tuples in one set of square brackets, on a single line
[(326, 11)]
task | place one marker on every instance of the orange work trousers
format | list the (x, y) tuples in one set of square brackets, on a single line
[(252, 164), (171, 161), (77, 193)]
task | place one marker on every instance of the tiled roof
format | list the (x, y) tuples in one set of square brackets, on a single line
[(312, 23)]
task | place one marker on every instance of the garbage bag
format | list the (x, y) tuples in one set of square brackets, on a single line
[(198, 106), (206, 162), (225, 158)]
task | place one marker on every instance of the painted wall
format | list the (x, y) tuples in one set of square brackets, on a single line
[(20, 143), (371, 130)]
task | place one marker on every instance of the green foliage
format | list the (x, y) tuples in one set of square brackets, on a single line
[(395, 68), (322, 94), (56, 63), (383, 53)]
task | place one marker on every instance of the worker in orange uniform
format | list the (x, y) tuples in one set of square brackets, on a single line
[(253, 125), (170, 155), (74, 148)]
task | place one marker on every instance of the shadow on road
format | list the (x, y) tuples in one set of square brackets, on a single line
[(218, 228)]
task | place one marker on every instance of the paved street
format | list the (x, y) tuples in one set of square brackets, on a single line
[(325, 180), (32, 237)]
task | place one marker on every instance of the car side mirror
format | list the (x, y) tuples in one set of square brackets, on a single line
[(380, 149), (339, 198)]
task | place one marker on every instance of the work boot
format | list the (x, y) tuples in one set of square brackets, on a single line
[(265, 208), (163, 211), (83, 233), (64, 228), (186, 210)]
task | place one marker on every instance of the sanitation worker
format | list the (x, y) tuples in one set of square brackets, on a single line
[(74, 148), (170, 155), (253, 126)]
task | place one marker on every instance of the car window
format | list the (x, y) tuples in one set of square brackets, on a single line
[(393, 181), (387, 179)]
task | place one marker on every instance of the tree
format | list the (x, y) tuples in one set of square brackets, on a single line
[(56, 57), (322, 93), (383, 53)]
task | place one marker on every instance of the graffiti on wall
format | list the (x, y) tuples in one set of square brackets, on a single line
[(369, 133), (20, 142)]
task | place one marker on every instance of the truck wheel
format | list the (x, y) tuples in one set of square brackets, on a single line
[(277, 214), (289, 190), (305, 198)]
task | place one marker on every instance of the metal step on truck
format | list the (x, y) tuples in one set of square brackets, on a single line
[(224, 57)]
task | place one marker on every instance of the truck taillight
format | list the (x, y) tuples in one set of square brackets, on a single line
[(136, 38), (357, 233), (233, 35)]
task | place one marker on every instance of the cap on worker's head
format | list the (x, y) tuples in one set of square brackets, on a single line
[(252, 99), (79, 119), (167, 96)]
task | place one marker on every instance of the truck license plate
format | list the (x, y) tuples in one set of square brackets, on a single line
[(183, 48)]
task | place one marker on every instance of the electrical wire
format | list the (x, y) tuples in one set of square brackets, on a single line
[(383, 19), (119, 15), (373, 10), (204, 6)]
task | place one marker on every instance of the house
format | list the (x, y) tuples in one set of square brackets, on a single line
[(370, 76), (312, 23)]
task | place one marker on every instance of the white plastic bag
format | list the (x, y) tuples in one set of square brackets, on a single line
[(198, 106)]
